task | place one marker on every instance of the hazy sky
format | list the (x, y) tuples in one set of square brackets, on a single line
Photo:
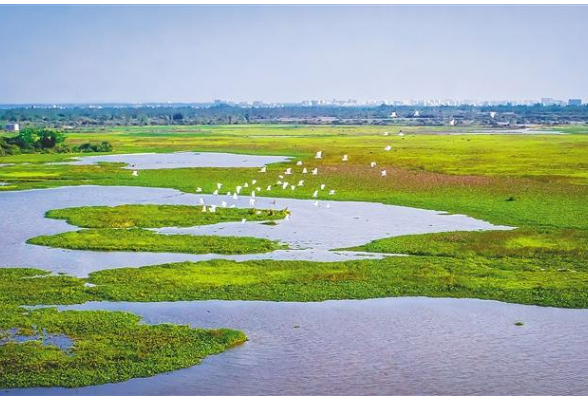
[(56, 54)]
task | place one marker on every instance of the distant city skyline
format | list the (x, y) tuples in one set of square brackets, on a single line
[(291, 54)]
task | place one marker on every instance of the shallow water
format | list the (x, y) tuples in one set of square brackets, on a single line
[(63, 342), (181, 160), (395, 346), (312, 231)]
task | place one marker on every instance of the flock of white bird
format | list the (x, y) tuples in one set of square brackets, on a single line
[(280, 183)]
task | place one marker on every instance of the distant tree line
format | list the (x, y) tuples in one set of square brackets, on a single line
[(77, 117), (44, 140)]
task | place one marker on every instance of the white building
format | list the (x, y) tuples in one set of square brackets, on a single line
[(13, 127)]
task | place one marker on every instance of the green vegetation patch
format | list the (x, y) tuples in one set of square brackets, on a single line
[(531, 243), (106, 347), (514, 280), (137, 239), (34, 286), (157, 216)]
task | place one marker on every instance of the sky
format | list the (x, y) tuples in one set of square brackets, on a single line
[(93, 54)]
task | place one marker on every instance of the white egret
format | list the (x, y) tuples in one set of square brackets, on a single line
[(323, 186), (219, 185), (287, 217), (135, 173), (215, 192), (212, 208), (400, 133), (373, 164), (263, 169), (319, 154), (203, 208), (281, 176), (223, 204), (252, 202), (304, 171), (243, 221), (258, 189), (386, 134), (238, 189), (245, 184), (383, 172), (279, 182), (492, 114), (417, 114), (345, 158), (316, 203), (452, 122), (388, 148), (201, 201), (301, 182), (292, 187), (198, 190), (315, 194), (288, 171), (269, 187), (299, 163), (394, 115), (229, 193), (331, 192), (253, 193), (235, 197), (285, 185), (253, 182), (315, 171)]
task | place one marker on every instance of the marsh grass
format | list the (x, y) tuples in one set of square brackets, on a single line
[(526, 243), (107, 347), (137, 239)]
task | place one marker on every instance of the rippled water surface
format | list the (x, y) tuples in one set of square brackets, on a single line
[(383, 346)]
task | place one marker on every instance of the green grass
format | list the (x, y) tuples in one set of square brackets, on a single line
[(510, 279), (527, 243), (31, 286), (137, 239), (107, 347), (157, 216)]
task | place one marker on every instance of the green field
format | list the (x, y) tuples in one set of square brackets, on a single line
[(536, 183)]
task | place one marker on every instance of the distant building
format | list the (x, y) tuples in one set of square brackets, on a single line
[(548, 101), (13, 127), (574, 102)]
